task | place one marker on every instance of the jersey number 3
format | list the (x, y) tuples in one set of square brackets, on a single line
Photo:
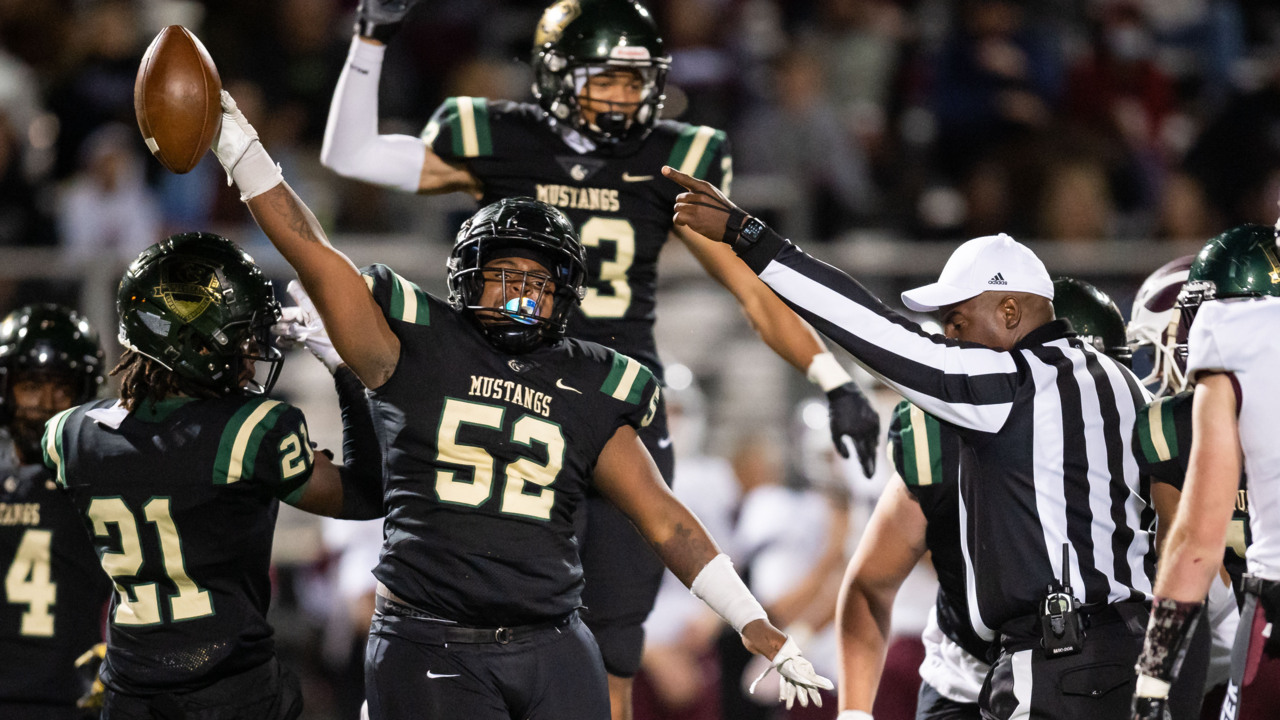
[(519, 474), (609, 296), (140, 603)]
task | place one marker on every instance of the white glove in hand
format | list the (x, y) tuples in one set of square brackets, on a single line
[(302, 325), (241, 153), (799, 680)]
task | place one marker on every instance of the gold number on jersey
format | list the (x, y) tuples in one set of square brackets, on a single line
[(28, 582), (296, 454), (613, 273), (140, 603), (518, 475), (1236, 536)]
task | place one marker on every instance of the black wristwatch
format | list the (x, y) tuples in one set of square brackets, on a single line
[(749, 234)]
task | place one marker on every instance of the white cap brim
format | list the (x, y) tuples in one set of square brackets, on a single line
[(928, 298)]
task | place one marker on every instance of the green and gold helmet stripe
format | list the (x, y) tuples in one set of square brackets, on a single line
[(921, 446), (53, 445), (694, 150), (1157, 432), (238, 449), (408, 302), (626, 380)]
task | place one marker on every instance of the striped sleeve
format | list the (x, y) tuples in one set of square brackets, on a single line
[(266, 442), (703, 152), (460, 129), (630, 382), (915, 445), (965, 384), (1162, 438), (52, 446), (399, 299)]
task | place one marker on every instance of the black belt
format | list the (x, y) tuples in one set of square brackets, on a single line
[(468, 635), (1024, 632), (1261, 587)]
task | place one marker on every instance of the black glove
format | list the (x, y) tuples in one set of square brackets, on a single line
[(852, 416), (87, 666), (380, 19), (1149, 708)]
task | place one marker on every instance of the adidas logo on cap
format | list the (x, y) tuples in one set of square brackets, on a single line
[(997, 279)]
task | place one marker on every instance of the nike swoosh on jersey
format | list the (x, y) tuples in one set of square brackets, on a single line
[(628, 177), (560, 384), (665, 442), (433, 676)]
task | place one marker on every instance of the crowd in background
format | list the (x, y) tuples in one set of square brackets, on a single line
[(1060, 120)]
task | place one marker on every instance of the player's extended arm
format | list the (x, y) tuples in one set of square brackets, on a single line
[(356, 325), (353, 148), (1193, 551), (970, 386), (795, 341), (627, 476), (891, 546)]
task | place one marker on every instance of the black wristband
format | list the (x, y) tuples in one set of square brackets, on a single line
[(1168, 637)]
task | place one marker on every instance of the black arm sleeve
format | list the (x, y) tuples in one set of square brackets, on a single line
[(361, 470)]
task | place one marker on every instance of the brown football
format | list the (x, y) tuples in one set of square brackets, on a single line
[(177, 99)]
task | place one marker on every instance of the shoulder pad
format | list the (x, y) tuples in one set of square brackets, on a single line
[(627, 379), (460, 128), (918, 454), (696, 146), (399, 298), (241, 438), (1156, 428)]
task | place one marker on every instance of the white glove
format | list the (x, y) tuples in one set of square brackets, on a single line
[(302, 325), (241, 153), (799, 680)]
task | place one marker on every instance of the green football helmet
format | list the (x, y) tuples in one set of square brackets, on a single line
[(526, 228), (1093, 315), (49, 338), (576, 39), (197, 304)]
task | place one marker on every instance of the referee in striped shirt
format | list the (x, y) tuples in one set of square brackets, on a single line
[(1050, 490)]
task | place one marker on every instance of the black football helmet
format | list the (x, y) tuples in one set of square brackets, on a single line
[(1093, 315), (53, 339), (520, 227), (198, 304), (576, 39)]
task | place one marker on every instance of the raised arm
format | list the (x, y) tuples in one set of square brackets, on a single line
[(352, 146), (627, 476), (965, 384), (796, 342), (356, 325)]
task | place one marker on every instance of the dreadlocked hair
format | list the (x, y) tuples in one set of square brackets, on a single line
[(143, 379)]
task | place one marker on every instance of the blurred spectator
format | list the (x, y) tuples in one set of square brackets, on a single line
[(702, 68), (1076, 203), (22, 221), (799, 135), (106, 211)]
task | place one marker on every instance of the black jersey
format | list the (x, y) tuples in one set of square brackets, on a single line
[(181, 499), (1162, 445), (619, 203), (486, 456), (54, 591), (928, 455)]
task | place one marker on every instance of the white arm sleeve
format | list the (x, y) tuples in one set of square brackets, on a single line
[(352, 146)]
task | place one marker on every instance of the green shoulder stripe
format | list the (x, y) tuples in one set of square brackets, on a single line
[(694, 150), (921, 446), (1157, 433), (238, 449), (408, 302), (53, 445), (468, 121), (627, 379)]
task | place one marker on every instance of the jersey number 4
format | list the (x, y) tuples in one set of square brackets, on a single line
[(519, 475), (140, 602), (28, 582)]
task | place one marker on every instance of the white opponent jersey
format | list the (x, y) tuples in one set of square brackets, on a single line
[(1237, 336)]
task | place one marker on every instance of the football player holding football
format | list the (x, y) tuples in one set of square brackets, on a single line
[(54, 593), (178, 480), (591, 146), (494, 424)]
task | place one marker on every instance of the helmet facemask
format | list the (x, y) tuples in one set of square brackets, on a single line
[(1156, 328), (614, 121)]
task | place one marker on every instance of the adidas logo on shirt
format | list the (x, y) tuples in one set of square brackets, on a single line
[(997, 279)]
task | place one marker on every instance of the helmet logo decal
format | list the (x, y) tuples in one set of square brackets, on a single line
[(630, 52), (1269, 251), (188, 300), (555, 20)]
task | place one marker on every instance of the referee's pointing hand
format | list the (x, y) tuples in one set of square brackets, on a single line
[(703, 208)]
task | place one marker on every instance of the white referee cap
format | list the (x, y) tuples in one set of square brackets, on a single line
[(991, 262)]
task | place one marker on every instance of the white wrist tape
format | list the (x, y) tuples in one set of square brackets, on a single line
[(1149, 687), (825, 372), (719, 586), (241, 153), (256, 172), (854, 715), (352, 146)]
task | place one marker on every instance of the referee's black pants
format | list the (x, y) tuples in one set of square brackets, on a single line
[(1095, 684)]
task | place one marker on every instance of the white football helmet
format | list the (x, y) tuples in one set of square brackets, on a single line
[(1154, 323)]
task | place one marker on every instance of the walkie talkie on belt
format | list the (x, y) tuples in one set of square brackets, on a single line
[(1060, 627)]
